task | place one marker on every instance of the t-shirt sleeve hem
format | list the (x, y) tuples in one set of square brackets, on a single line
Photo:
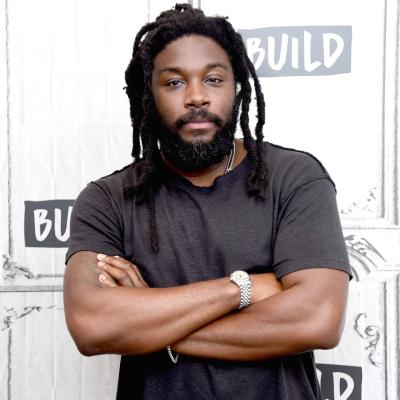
[(72, 250), (297, 265)]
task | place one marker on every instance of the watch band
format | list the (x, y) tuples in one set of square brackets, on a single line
[(245, 295), (242, 280)]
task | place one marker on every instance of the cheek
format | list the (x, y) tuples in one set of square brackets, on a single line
[(168, 107), (227, 105), (164, 109)]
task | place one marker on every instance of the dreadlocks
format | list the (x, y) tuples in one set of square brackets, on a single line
[(183, 20)]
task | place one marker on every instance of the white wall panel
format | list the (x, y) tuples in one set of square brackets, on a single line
[(61, 83), (331, 116), (40, 357), (4, 172)]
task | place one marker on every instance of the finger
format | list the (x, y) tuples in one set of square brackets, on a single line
[(119, 262), (136, 269), (121, 277), (137, 278), (140, 275), (125, 277), (106, 280)]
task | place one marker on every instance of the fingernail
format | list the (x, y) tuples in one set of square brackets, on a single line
[(102, 277), (100, 256), (101, 263)]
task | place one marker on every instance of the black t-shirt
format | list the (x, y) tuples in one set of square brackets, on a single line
[(207, 233)]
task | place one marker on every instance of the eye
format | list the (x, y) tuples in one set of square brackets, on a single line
[(214, 80), (174, 83)]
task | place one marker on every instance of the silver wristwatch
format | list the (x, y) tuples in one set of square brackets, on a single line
[(242, 280)]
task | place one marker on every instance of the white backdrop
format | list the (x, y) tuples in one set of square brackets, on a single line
[(64, 120)]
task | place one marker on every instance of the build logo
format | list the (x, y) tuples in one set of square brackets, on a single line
[(47, 223), (299, 50), (340, 382)]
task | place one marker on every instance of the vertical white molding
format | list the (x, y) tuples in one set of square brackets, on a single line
[(391, 100), (392, 339), (389, 208), (5, 240)]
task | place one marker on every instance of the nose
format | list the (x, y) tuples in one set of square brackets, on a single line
[(196, 95)]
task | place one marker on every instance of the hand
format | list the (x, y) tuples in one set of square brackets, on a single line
[(264, 285), (116, 271)]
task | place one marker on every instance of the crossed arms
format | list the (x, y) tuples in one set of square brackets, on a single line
[(123, 315)]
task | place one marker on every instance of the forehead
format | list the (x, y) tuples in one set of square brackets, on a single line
[(191, 52)]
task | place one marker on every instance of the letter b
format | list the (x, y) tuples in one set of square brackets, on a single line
[(40, 219), (253, 48)]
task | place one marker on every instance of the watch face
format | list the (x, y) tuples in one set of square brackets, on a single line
[(242, 275)]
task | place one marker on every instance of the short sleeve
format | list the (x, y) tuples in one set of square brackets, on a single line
[(309, 233), (95, 223)]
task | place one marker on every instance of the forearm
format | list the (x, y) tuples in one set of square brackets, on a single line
[(132, 321), (282, 325)]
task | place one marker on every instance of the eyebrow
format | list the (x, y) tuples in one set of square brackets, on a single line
[(178, 70)]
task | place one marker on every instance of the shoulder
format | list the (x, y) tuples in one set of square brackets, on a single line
[(115, 183), (289, 169), (118, 180), (110, 187), (287, 160)]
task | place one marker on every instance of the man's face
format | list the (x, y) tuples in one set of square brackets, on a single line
[(194, 92)]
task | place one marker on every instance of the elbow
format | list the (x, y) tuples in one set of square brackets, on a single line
[(93, 337), (86, 349), (325, 334), (90, 346), (87, 346), (329, 340), (83, 335)]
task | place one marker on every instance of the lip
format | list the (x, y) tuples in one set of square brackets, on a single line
[(199, 125)]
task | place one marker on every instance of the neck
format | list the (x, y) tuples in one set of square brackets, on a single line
[(206, 176)]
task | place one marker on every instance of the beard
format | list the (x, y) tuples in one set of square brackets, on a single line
[(192, 156)]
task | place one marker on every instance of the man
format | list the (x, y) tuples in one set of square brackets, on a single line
[(213, 265)]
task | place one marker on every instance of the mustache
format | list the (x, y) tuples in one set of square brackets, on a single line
[(194, 114)]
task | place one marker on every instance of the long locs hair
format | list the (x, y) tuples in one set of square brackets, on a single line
[(183, 20)]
